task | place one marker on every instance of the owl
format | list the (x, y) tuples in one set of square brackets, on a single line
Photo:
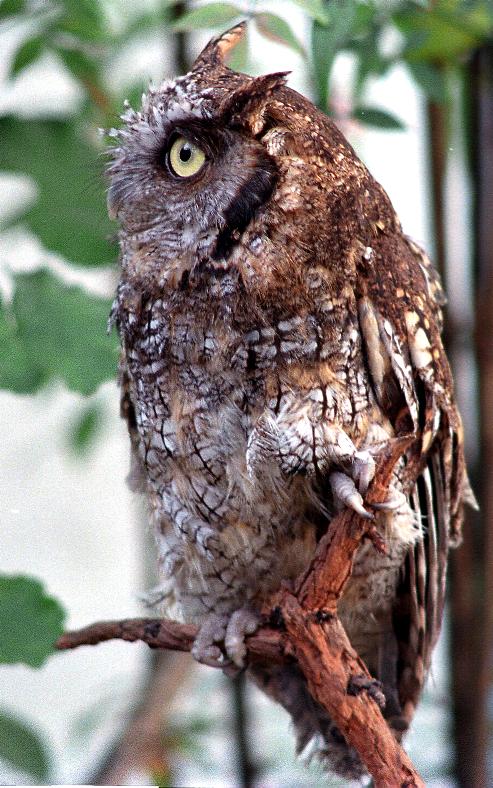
[(278, 329)]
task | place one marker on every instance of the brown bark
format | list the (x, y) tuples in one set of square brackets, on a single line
[(472, 566), (312, 635), (484, 346)]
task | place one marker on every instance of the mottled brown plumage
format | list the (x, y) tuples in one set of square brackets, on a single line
[(277, 330)]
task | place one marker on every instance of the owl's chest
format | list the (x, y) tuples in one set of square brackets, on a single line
[(192, 399), (201, 378)]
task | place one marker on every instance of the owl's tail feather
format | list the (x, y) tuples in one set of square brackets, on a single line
[(316, 734)]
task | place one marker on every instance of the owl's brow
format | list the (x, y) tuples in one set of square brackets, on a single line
[(203, 133)]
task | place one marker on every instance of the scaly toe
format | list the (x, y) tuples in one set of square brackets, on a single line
[(345, 493), (396, 501), (211, 656), (242, 623), (363, 470), (204, 648)]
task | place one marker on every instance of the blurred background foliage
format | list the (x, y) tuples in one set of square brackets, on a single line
[(54, 330)]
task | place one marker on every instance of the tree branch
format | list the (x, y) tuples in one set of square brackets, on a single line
[(312, 634)]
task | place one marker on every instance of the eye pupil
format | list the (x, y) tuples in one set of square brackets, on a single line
[(185, 153)]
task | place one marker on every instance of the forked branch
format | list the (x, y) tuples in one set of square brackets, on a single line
[(311, 633)]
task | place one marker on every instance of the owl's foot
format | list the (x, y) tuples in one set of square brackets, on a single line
[(242, 623), (205, 648), (394, 502), (362, 470), (228, 630), (348, 488), (345, 494)]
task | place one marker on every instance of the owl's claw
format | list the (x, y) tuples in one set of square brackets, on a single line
[(345, 493), (362, 470), (396, 501), (242, 623), (230, 630), (204, 648)]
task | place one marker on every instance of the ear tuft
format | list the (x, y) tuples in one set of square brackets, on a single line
[(245, 105), (216, 50)]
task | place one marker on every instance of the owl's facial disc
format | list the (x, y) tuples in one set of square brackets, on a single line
[(185, 184)]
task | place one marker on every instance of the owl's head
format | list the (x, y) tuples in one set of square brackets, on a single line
[(206, 157), (189, 170)]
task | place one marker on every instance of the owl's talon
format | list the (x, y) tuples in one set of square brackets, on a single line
[(204, 648), (396, 501), (362, 470), (345, 493), (211, 656), (242, 623), (230, 630)]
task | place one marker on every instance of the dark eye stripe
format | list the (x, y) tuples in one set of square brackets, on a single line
[(241, 210)]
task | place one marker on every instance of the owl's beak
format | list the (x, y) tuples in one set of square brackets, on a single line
[(113, 202)]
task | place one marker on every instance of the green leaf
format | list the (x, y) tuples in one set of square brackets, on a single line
[(86, 427), (327, 42), (316, 9), (27, 53), (11, 7), (70, 215), (79, 64), (368, 19), (370, 60), (430, 79), (443, 33), (84, 19), (210, 15), (22, 748), (372, 116), (53, 331), (30, 621), (86, 69), (18, 372), (276, 29), (323, 55)]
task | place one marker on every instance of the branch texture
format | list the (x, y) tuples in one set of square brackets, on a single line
[(311, 634)]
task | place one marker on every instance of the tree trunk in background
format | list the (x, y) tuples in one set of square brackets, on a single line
[(471, 571), (437, 136), (180, 41), (482, 145), (471, 586)]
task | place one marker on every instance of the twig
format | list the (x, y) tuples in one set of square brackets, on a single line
[(313, 636), (267, 644)]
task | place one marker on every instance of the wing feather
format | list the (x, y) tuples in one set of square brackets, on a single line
[(401, 294), (136, 478)]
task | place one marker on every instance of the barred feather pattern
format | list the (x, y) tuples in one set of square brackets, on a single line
[(277, 329)]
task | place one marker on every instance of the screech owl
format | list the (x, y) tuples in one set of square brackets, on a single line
[(277, 329)]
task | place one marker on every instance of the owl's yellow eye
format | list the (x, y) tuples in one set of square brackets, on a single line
[(185, 158)]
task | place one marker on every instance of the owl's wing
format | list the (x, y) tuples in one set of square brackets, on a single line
[(400, 318)]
